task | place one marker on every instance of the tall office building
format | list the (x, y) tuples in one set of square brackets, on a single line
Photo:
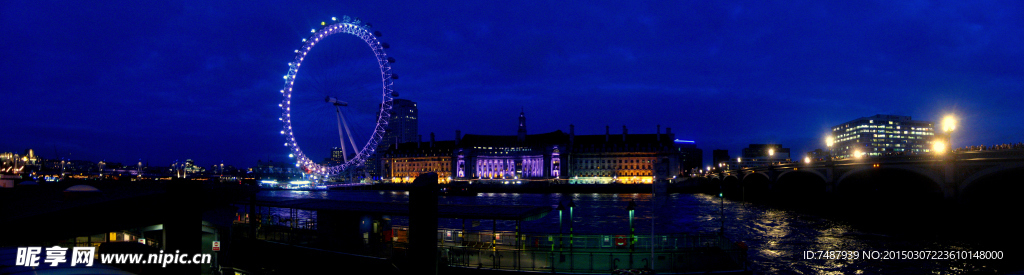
[(404, 123), (403, 127), (882, 135)]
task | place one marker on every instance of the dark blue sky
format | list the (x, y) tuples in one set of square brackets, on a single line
[(168, 80)]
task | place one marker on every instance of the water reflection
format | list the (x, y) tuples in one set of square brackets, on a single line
[(777, 238)]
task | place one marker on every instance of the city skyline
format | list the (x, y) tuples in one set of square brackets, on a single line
[(165, 81)]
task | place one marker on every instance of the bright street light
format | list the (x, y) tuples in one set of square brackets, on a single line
[(857, 154), (939, 147), (807, 160), (948, 123), (829, 141)]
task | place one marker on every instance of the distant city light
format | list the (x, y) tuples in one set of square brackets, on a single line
[(683, 141)]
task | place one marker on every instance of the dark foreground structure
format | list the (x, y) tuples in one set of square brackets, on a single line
[(368, 232), (246, 235)]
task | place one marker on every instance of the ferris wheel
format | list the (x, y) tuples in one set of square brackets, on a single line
[(337, 92)]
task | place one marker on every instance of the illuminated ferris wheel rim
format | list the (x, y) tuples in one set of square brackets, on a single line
[(347, 26)]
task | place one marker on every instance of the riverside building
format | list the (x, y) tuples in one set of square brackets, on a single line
[(882, 135)]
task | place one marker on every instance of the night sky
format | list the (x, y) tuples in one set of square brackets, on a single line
[(124, 80)]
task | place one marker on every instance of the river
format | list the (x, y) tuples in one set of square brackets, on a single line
[(778, 239)]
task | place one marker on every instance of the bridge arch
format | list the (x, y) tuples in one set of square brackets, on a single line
[(969, 181), (798, 187), (891, 194), (745, 176), (906, 185), (933, 176), (812, 171), (755, 186)]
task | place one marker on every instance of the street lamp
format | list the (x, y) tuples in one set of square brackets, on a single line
[(571, 257), (721, 209), (948, 123), (571, 205), (771, 156), (560, 208), (807, 160), (939, 147), (829, 141), (948, 126)]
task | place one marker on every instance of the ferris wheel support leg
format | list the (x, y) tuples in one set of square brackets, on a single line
[(350, 139), (341, 134)]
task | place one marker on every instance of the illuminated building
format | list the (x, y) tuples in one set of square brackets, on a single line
[(510, 159), (191, 167), (882, 135), (626, 158), (554, 157), (406, 161), (520, 157)]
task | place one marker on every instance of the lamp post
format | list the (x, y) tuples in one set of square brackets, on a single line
[(560, 208), (721, 170), (829, 140), (631, 207), (721, 210), (572, 259), (948, 126)]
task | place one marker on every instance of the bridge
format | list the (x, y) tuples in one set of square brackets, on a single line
[(972, 178)]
